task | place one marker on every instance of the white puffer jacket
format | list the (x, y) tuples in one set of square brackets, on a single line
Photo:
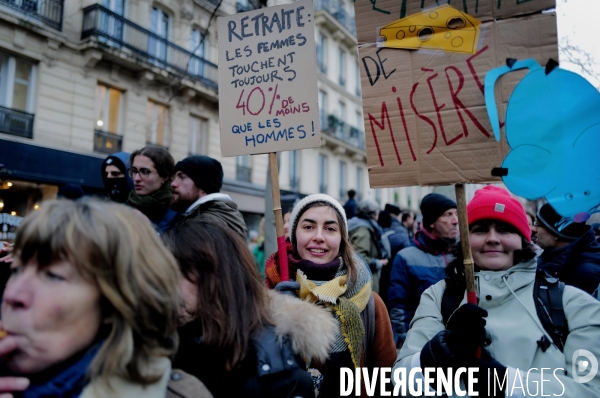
[(514, 329)]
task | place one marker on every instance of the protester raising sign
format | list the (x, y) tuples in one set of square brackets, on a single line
[(423, 65), (267, 80)]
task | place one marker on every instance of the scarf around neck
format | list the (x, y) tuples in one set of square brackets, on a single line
[(344, 302), (155, 205)]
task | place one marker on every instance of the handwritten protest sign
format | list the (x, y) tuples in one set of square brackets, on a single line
[(424, 111), (267, 80)]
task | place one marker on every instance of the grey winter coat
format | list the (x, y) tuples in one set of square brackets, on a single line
[(222, 211), (513, 329)]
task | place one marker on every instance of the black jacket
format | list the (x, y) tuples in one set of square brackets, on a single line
[(577, 264), (270, 369)]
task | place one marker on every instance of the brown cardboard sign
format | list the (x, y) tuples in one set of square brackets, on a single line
[(424, 111), (268, 80)]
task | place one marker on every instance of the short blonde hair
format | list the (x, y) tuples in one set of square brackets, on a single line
[(136, 274)]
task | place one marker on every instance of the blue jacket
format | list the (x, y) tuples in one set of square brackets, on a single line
[(350, 208), (415, 268), (577, 264)]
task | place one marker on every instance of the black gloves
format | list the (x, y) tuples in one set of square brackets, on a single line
[(455, 347)]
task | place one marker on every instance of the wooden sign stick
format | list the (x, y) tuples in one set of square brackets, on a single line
[(463, 224), (281, 244)]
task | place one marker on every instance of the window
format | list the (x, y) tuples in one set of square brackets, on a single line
[(359, 121), (358, 90), (110, 25), (342, 180), (359, 183), (107, 127), (322, 52), (323, 109), (158, 124), (159, 25), (17, 83), (294, 170), (198, 48), (17, 86), (322, 173), (108, 109), (342, 67), (339, 131), (243, 170), (198, 135)]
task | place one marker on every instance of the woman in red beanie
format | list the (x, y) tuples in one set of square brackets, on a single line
[(505, 328)]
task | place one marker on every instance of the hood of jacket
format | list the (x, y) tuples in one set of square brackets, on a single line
[(123, 185), (310, 328), (357, 222), (222, 208)]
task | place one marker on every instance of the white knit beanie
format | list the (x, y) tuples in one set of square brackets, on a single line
[(317, 197)]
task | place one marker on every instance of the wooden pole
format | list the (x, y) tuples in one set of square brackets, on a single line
[(281, 244), (463, 223)]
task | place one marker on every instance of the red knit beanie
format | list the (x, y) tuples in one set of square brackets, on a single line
[(495, 203)]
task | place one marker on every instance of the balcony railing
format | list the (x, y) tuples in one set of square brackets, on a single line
[(243, 173), (113, 30), (49, 12), (336, 9), (335, 127), (106, 142), (16, 122)]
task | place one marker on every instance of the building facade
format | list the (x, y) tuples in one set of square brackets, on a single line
[(81, 80)]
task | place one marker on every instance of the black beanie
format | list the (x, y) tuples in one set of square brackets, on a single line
[(434, 205), (206, 172), (392, 209), (548, 218)]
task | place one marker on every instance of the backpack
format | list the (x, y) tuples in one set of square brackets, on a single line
[(547, 296)]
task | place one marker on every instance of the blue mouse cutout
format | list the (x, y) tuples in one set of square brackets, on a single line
[(553, 129)]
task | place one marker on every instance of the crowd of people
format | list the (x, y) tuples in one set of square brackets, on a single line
[(158, 290)]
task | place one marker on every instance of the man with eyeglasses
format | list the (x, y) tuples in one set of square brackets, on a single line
[(115, 176), (571, 253), (198, 180)]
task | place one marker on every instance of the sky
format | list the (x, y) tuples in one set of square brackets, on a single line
[(578, 24)]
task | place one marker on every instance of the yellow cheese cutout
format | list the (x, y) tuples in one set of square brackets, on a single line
[(441, 28)]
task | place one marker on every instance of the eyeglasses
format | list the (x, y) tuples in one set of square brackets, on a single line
[(144, 173)]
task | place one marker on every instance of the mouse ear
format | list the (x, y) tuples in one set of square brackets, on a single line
[(530, 171)]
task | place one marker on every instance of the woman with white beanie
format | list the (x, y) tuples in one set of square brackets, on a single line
[(325, 270)]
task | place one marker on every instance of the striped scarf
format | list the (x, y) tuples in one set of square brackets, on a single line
[(345, 303)]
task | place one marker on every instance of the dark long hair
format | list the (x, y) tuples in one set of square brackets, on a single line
[(346, 248), (232, 302), (456, 269), (162, 159)]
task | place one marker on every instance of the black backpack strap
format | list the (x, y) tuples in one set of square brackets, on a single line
[(453, 296), (548, 292)]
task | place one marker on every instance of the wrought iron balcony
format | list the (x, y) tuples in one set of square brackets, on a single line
[(335, 127), (243, 173), (16, 122), (115, 31), (106, 142), (336, 9), (49, 12)]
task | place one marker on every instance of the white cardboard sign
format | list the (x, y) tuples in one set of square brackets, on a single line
[(268, 80)]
